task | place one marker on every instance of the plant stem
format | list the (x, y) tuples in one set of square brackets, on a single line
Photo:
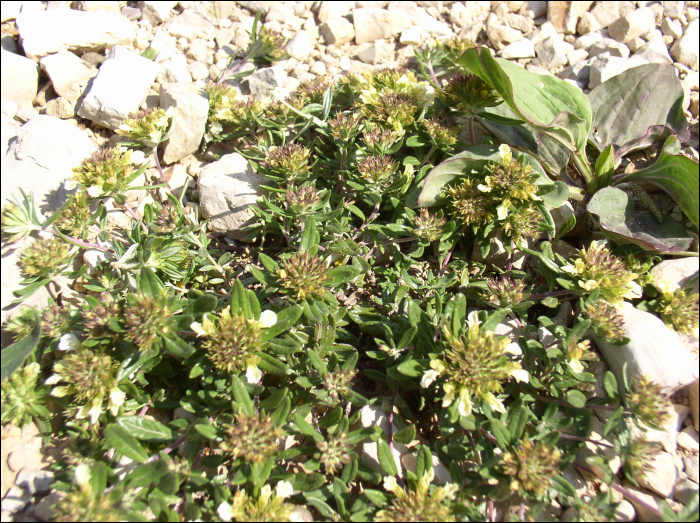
[(229, 72), (160, 169), (81, 243), (547, 295), (432, 73), (449, 254), (368, 220), (135, 216), (470, 124), (196, 241), (576, 438), (585, 169), (427, 156)]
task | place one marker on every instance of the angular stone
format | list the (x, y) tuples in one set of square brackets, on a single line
[(256, 6), (15, 500), (603, 14), (685, 50), (605, 67), (329, 10), (463, 15), (263, 81), (69, 74), (501, 35), (590, 449), (119, 88), (337, 31), (632, 25), (522, 23), (673, 9), (662, 475), (46, 507), (299, 46), (533, 9), (20, 78), (688, 439), (521, 49), (198, 71), (10, 10), (552, 52), (691, 467), (671, 28), (374, 24), (668, 435), (693, 399), (545, 31), (442, 474), (577, 56), (412, 36), (587, 40), (156, 12), (608, 45), (565, 15), (46, 32), (227, 188), (174, 70), (190, 117), (685, 490), (377, 52), (654, 52), (34, 481), (60, 108), (650, 499), (190, 24)]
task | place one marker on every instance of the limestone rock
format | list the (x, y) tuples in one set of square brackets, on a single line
[(329, 10), (337, 31), (590, 449), (632, 25), (685, 50), (60, 108), (46, 32), (673, 9), (688, 439), (46, 507), (464, 14), (371, 416), (685, 490), (20, 78), (299, 46), (374, 24), (156, 12), (191, 110), (501, 35), (190, 24), (377, 52), (256, 6), (602, 15), (14, 439), (118, 89), (69, 74), (608, 45), (650, 499), (668, 435), (15, 500), (552, 52), (693, 398), (662, 475), (263, 81), (227, 188), (442, 474), (174, 70), (691, 467), (533, 9), (521, 49), (34, 481), (565, 15), (605, 67)]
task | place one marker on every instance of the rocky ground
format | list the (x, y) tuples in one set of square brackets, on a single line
[(72, 71)]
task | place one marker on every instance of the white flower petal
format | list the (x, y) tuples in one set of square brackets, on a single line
[(268, 318), (225, 512), (514, 349), (390, 483), (83, 475), (68, 342), (576, 366), (117, 397), (94, 192), (428, 378), (197, 327), (284, 489), (521, 375), (253, 374)]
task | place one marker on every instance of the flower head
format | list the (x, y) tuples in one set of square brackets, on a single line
[(443, 132), (597, 268), (345, 126), (290, 162), (22, 400), (395, 110), (43, 258), (55, 320), (467, 94), (149, 127), (429, 226), (419, 504), (253, 438), (639, 455), (96, 320), (146, 318), (376, 169), (474, 366), (522, 223), (679, 310), (469, 204), (577, 351), (337, 383), (21, 323), (303, 275), (272, 44), (75, 216), (380, 141), (505, 292), (302, 199), (335, 452), (606, 321), (532, 466), (267, 507), (106, 172), (90, 377), (648, 403), (510, 180), (313, 91)]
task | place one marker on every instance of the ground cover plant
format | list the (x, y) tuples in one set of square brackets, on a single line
[(359, 293)]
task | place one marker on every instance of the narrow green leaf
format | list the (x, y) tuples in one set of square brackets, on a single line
[(14, 355), (118, 438), (386, 459), (604, 169), (272, 365), (241, 396), (406, 435), (502, 434), (424, 461), (149, 283), (576, 398), (145, 429), (339, 275), (286, 319), (610, 384)]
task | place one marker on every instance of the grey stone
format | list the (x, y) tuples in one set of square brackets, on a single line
[(693, 400), (688, 439), (46, 507), (685, 490), (190, 117), (502, 35), (654, 52), (685, 50), (673, 9), (299, 46), (156, 12), (654, 350), (174, 70), (565, 15), (590, 449), (632, 25), (377, 52), (533, 9), (20, 78), (442, 474), (118, 89), (256, 6), (263, 81), (577, 56), (552, 52), (69, 74), (15, 500), (608, 45), (691, 467), (587, 40), (671, 28), (662, 475), (605, 67), (337, 31), (329, 10), (602, 15), (227, 188), (521, 49), (43, 33), (34, 481), (132, 13), (7, 42), (190, 24), (375, 24), (522, 23)]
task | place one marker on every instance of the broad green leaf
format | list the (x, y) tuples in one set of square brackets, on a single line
[(629, 105), (145, 429), (675, 174), (286, 318), (310, 237), (307, 482), (122, 441), (610, 384), (424, 461), (386, 459), (502, 434), (614, 210), (406, 435), (149, 283), (557, 195), (576, 398), (549, 104), (339, 275), (517, 419), (207, 431), (177, 346), (239, 301), (272, 365), (413, 368), (14, 355), (604, 169)]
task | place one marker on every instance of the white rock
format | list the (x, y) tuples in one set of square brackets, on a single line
[(377, 52), (577, 481), (69, 74), (501, 35), (673, 9), (156, 12), (649, 498), (654, 350), (227, 188), (608, 45), (552, 52), (605, 67), (533, 9), (565, 15), (15, 500), (10, 10), (119, 88), (337, 31), (60, 108), (371, 416), (434, 27), (463, 15), (199, 50), (545, 31), (654, 52), (301, 514), (46, 507), (675, 274), (34, 481), (190, 117), (263, 81), (590, 449), (299, 46), (625, 511), (587, 40), (279, 12), (632, 25), (256, 6), (521, 49), (691, 467), (472, 31), (693, 399), (635, 44), (412, 36), (442, 474), (372, 4), (319, 69), (20, 78), (174, 70), (602, 15), (668, 434), (662, 475), (685, 50), (190, 24), (44, 33), (671, 28), (345, 63), (26, 112), (685, 490), (337, 9), (688, 439), (374, 24), (198, 71), (577, 56)]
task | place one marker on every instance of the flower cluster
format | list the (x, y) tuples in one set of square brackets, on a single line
[(345, 126), (86, 503), (75, 216), (648, 402), (272, 44), (469, 204), (267, 507), (474, 365), (443, 132), (96, 320), (577, 351), (146, 318), (679, 310), (290, 162), (428, 226), (380, 141), (468, 94), (303, 275), (106, 172), (597, 268), (253, 438), (44, 258), (22, 399), (532, 467), (335, 452), (638, 456), (377, 169), (225, 109), (148, 127), (419, 503), (505, 292), (606, 321), (55, 321), (302, 199), (337, 383)]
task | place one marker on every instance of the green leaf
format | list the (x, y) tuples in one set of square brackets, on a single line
[(549, 104), (286, 319), (424, 461), (557, 195), (14, 355), (566, 227), (406, 435), (633, 107), (239, 300), (386, 459), (145, 429), (307, 482), (310, 237), (407, 338), (207, 431), (413, 368), (241, 396), (610, 384), (517, 419), (177, 346), (206, 303), (576, 398), (604, 169), (149, 283), (339, 275), (675, 174), (272, 365), (502, 434), (614, 210), (120, 440)]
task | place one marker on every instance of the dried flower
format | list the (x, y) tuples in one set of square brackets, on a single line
[(429, 226), (335, 452), (606, 321), (91, 379), (505, 292), (679, 310), (44, 258), (280, 112), (303, 199), (638, 456), (337, 383), (377, 169), (469, 204), (266, 508), (467, 94), (303, 275), (598, 268), (345, 126), (532, 466), (473, 366), (106, 172), (146, 318), (22, 400), (253, 438), (149, 127), (648, 403), (290, 162), (443, 132), (419, 504)]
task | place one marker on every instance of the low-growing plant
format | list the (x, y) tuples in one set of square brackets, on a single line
[(198, 380)]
